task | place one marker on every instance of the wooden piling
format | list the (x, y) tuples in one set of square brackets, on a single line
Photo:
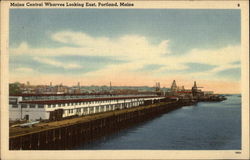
[(73, 135)]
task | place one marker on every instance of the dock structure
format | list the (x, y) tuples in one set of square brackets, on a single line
[(68, 133), (67, 120), (56, 109)]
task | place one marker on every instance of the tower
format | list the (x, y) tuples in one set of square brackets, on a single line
[(195, 84), (157, 87), (110, 86), (174, 86), (194, 89), (183, 88)]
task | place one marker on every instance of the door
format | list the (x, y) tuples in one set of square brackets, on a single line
[(26, 117)]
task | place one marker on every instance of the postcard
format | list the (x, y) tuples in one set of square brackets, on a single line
[(124, 80)]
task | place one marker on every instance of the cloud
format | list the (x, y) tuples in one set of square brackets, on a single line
[(235, 62), (57, 63), (197, 67), (127, 47), (150, 67), (220, 56), (233, 73), (133, 53), (24, 69)]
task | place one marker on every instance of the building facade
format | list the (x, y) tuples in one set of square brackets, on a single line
[(52, 108)]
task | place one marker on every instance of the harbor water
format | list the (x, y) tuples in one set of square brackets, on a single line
[(203, 126)]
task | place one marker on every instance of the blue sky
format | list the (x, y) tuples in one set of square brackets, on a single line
[(92, 43), (192, 28)]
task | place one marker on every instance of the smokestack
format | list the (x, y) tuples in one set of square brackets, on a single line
[(110, 86)]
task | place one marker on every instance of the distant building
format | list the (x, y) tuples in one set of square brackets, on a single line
[(208, 92), (173, 87), (197, 93)]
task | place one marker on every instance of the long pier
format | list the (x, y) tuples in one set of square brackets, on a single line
[(69, 133)]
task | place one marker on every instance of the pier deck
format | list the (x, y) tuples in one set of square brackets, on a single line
[(18, 131), (68, 133)]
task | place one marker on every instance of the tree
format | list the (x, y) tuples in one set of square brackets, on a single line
[(14, 88)]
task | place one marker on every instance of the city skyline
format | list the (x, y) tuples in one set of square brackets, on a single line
[(128, 47)]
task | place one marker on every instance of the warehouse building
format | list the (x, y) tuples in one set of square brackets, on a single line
[(55, 109)]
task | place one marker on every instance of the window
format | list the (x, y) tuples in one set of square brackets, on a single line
[(91, 110), (40, 106), (13, 101), (32, 106), (102, 108), (23, 106), (14, 106), (97, 109)]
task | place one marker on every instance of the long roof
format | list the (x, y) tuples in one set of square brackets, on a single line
[(82, 100), (76, 94)]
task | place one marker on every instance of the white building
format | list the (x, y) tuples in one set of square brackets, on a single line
[(51, 108)]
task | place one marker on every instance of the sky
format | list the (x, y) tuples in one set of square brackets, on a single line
[(129, 47)]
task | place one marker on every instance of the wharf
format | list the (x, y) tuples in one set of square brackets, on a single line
[(68, 133), (18, 131)]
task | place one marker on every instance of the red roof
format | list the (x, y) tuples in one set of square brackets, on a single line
[(75, 94), (82, 100)]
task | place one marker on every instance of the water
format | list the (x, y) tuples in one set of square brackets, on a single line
[(204, 126)]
